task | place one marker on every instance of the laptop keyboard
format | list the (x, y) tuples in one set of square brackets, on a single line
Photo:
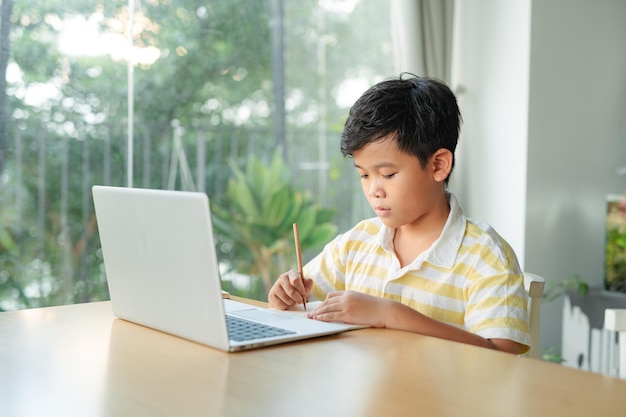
[(241, 330)]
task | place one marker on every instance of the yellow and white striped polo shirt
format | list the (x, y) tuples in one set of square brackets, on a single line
[(469, 277)]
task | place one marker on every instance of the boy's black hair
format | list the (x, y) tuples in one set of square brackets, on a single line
[(422, 112)]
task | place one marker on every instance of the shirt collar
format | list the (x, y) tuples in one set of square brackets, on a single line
[(444, 250)]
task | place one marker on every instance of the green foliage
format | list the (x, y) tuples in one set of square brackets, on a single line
[(257, 220), (615, 254), (75, 135), (555, 290), (551, 354)]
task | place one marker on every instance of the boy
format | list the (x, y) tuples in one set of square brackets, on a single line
[(420, 265)]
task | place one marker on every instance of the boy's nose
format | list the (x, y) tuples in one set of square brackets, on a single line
[(375, 191)]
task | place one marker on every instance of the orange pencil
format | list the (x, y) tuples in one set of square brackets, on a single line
[(296, 238)]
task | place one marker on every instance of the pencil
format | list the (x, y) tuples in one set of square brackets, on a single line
[(296, 239)]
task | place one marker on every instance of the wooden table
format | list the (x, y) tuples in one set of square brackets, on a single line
[(79, 360)]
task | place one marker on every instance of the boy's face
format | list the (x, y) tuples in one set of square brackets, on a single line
[(398, 188)]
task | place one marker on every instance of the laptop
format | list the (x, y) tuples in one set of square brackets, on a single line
[(162, 271)]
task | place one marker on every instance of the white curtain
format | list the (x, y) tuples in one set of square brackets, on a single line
[(422, 37)]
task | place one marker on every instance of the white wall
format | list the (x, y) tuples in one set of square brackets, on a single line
[(537, 163), (490, 70), (577, 138)]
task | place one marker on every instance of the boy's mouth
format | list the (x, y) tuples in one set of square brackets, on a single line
[(382, 211)]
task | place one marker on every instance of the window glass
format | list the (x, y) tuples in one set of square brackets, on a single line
[(213, 85)]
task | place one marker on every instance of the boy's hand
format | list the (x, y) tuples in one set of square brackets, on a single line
[(351, 307), (288, 290)]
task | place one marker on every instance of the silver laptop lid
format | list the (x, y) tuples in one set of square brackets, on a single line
[(152, 281)]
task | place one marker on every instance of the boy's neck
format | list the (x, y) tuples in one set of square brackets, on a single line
[(411, 240)]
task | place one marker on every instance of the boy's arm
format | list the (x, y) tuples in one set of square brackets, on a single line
[(401, 317), (358, 308)]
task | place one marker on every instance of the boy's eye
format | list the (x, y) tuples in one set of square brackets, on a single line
[(364, 176), (389, 176)]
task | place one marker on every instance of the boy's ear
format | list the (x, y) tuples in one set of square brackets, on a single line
[(441, 163)]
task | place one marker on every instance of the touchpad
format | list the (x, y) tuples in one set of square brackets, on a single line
[(260, 315)]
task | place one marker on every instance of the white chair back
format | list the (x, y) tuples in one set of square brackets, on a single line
[(534, 286)]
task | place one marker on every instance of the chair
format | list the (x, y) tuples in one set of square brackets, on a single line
[(615, 321), (534, 286)]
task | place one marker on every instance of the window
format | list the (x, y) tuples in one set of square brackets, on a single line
[(210, 83)]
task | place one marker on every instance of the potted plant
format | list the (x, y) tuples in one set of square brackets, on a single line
[(255, 223), (555, 290)]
